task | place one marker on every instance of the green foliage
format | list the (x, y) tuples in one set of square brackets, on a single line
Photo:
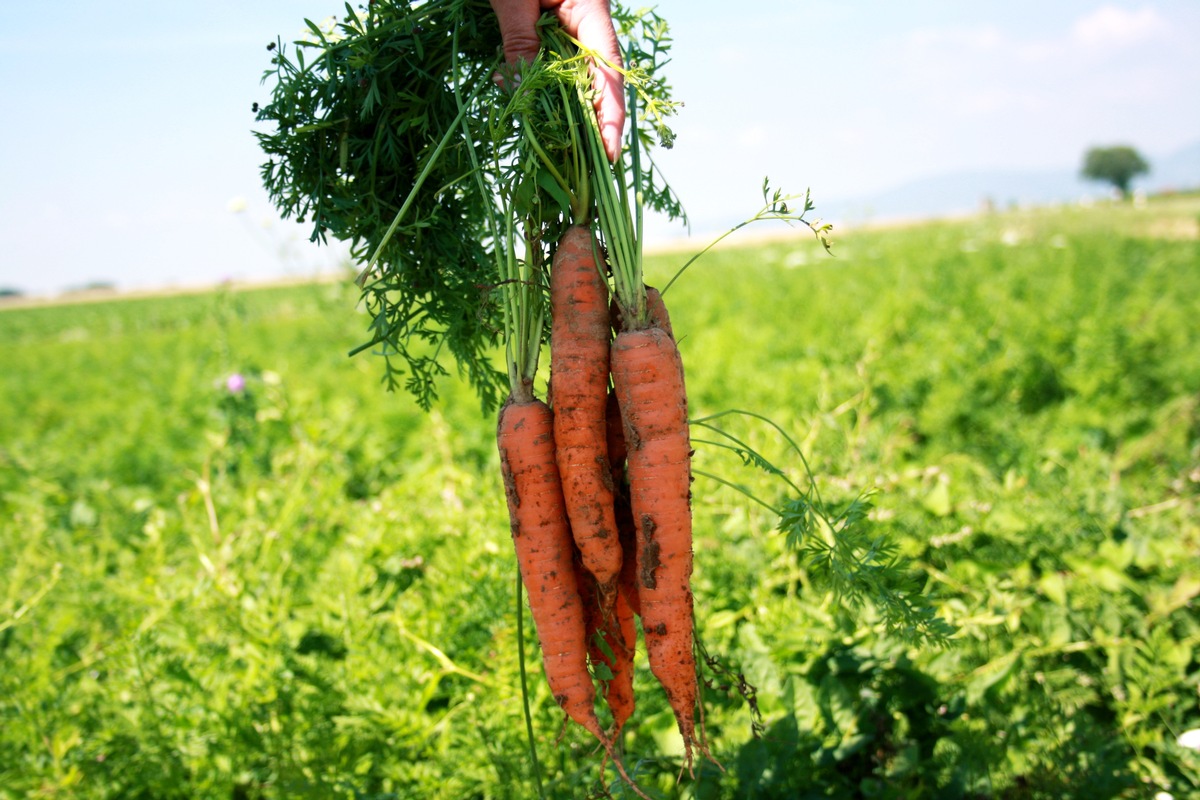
[(367, 143), (1117, 165), (389, 131), (298, 585)]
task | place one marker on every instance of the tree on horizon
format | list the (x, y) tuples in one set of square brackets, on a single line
[(1117, 165)]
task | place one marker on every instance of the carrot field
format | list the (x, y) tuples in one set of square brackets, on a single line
[(232, 565)]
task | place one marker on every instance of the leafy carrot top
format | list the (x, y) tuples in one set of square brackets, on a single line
[(382, 126)]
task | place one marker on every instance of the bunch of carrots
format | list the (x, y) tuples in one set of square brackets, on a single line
[(598, 491), (597, 477), (597, 473)]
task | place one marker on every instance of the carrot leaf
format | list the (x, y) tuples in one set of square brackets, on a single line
[(838, 547), (363, 142)]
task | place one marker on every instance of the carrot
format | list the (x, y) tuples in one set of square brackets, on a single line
[(545, 553), (620, 689), (656, 311), (615, 433), (579, 345), (626, 532), (611, 638), (647, 375)]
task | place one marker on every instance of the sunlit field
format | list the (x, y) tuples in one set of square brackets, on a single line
[(232, 565)]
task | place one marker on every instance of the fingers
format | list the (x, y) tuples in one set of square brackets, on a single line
[(591, 23), (518, 29)]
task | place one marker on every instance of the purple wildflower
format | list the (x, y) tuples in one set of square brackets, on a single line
[(235, 383)]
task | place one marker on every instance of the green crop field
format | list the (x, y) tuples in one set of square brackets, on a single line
[(233, 566)]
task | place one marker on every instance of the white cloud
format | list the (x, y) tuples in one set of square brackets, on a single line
[(1097, 33), (985, 70), (1110, 27)]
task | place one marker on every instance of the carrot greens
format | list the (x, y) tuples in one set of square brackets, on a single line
[(366, 144), (375, 129)]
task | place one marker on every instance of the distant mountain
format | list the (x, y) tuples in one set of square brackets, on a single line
[(965, 192), (1180, 170)]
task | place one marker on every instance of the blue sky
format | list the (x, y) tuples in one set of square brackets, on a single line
[(127, 125)]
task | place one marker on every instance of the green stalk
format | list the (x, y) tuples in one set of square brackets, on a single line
[(616, 211), (512, 307), (812, 480), (710, 246), (635, 149), (546, 161), (580, 192), (775, 207), (553, 67), (533, 756), (578, 156), (533, 306), (504, 252), (737, 488), (744, 449)]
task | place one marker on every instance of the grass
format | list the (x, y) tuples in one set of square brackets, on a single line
[(305, 588)]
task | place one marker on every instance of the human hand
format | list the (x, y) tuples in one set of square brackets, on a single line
[(590, 22)]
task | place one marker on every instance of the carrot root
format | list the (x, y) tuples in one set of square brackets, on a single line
[(579, 355), (648, 378), (545, 553), (546, 557), (611, 640)]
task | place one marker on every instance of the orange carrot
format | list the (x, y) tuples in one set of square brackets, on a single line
[(579, 345), (620, 688), (657, 311), (626, 530), (545, 554), (647, 374), (615, 432), (611, 638)]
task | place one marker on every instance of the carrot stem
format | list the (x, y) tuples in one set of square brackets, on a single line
[(812, 480), (738, 488), (773, 209), (547, 162), (744, 450), (619, 211), (533, 756), (635, 152)]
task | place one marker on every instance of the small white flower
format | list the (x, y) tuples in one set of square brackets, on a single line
[(1164, 796), (236, 205), (1190, 739)]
